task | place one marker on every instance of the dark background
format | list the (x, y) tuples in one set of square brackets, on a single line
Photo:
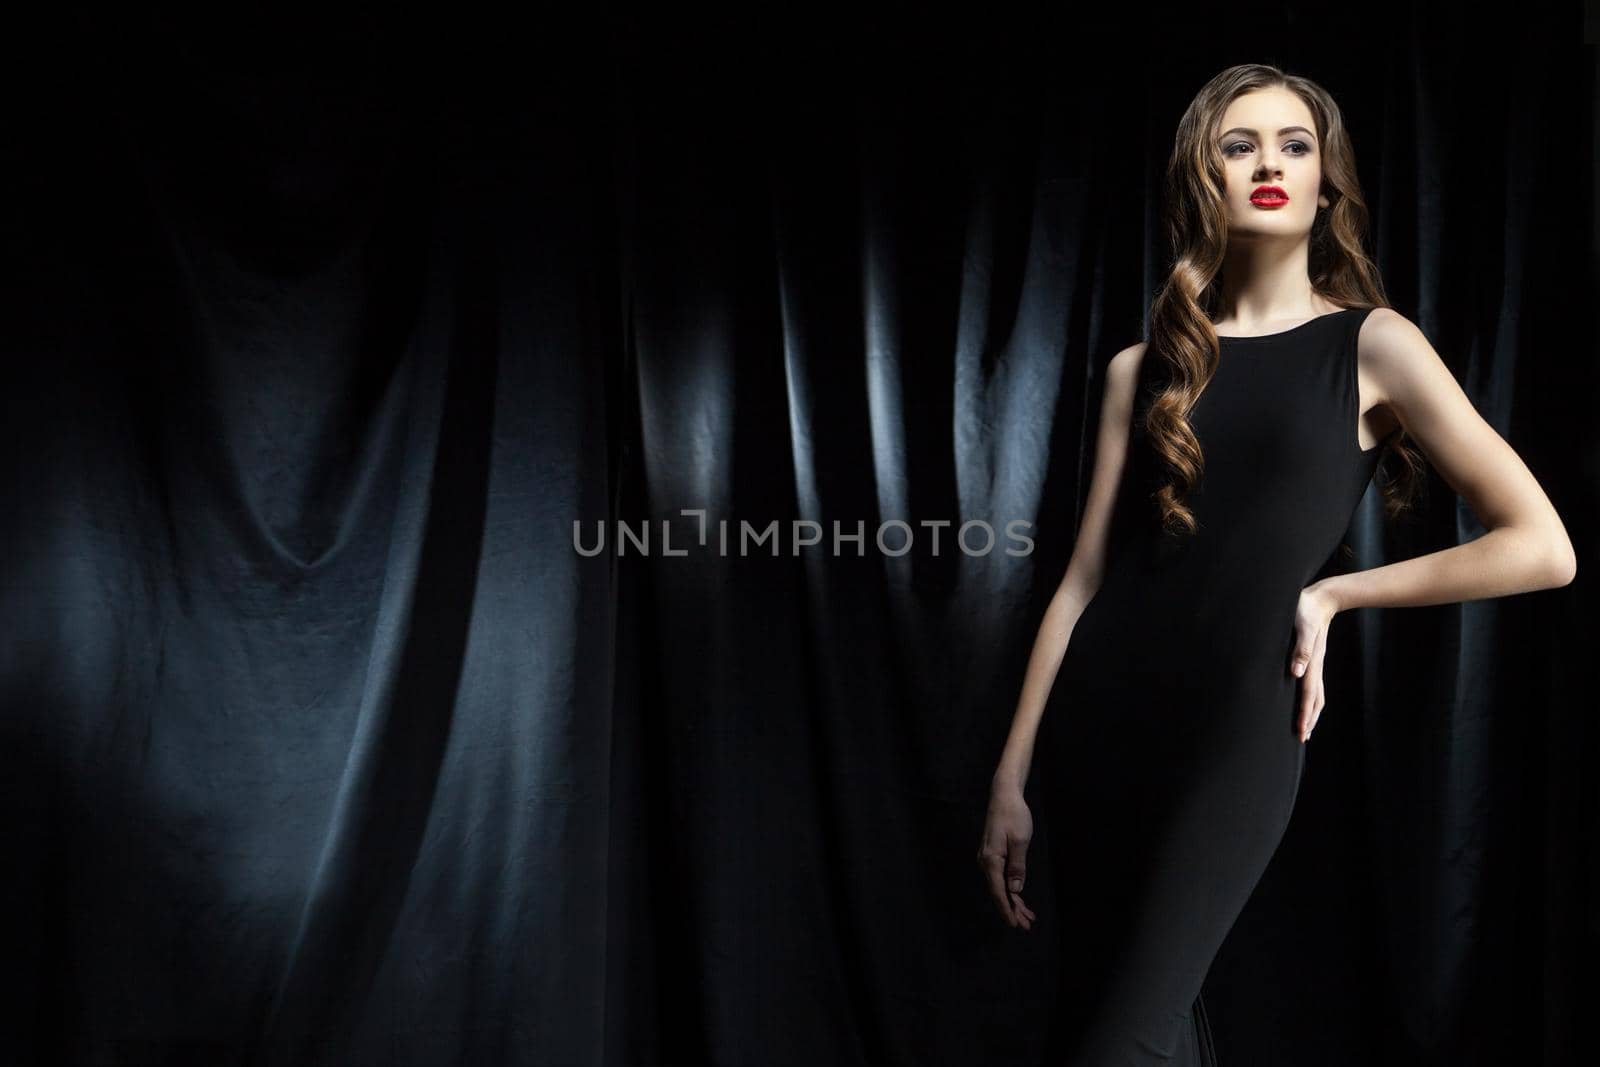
[(322, 743)]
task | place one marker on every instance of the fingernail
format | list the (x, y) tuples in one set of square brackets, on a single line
[(1016, 885)]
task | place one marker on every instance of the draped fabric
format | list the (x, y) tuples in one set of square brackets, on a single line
[(333, 350)]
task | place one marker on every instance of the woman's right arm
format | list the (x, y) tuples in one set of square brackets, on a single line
[(1008, 825), (1084, 570)]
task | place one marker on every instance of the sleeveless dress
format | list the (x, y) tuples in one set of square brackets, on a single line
[(1168, 758)]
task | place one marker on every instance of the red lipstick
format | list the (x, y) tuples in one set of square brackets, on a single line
[(1269, 196)]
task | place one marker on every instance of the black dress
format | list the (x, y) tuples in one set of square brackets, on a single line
[(1168, 759)]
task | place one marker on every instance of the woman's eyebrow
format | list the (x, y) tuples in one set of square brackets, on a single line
[(1252, 133)]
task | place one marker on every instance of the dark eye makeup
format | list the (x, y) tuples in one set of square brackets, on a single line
[(1227, 149)]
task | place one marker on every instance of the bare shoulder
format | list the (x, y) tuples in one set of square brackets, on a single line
[(1385, 329), (1410, 379), (1123, 368), (1396, 357)]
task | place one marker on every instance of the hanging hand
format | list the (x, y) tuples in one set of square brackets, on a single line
[(1003, 854)]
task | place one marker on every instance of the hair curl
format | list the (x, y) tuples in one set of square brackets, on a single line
[(1181, 325)]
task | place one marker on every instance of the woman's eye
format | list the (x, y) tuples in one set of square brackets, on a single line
[(1301, 145)]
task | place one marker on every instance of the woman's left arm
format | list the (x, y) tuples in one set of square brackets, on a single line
[(1525, 548)]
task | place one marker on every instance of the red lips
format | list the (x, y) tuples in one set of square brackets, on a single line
[(1269, 194)]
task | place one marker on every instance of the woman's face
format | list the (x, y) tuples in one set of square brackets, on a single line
[(1268, 138)]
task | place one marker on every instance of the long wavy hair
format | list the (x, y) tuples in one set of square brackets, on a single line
[(1181, 328)]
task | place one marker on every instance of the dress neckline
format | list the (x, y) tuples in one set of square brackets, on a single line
[(1269, 336)]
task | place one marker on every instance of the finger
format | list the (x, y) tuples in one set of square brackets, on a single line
[(1024, 919), (1023, 908), (1314, 694), (1309, 714), (1305, 647), (1310, 650), (1016, 865), (1016, 872), (1307, 697), (1300, 658), (994, 874)]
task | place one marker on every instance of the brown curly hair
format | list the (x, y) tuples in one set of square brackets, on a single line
[(1181, 329)]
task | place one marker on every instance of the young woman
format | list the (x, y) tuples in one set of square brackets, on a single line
[(1178, 669)]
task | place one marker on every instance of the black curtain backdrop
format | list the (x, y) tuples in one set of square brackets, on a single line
[(324, 744)]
